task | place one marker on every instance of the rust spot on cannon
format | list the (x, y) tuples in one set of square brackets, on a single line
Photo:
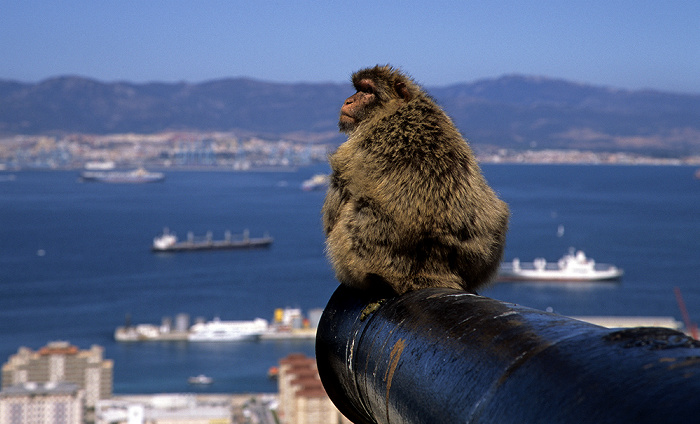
[(394, 357)]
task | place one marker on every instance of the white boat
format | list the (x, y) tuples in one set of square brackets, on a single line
[(201, 380), (227, 331), (317, 182), (571, 267), (136, 176)]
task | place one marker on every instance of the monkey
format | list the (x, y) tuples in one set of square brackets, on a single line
[(407, 206)]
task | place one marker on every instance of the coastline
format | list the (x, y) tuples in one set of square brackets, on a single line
[(549, 157)]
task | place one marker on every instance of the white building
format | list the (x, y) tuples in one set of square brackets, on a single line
[(165, 409), (49, 403)]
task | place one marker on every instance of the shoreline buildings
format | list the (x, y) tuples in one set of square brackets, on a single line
[(62, 362), (57, 383)]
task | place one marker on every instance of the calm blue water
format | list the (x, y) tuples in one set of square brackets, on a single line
[(97, 265)]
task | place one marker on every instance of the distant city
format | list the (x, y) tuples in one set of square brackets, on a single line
[(228, 151), (243, 124), (162, 150)]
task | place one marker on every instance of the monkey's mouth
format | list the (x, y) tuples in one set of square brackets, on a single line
[(346, 119)]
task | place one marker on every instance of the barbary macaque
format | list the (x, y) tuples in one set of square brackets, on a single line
[(407, 206)]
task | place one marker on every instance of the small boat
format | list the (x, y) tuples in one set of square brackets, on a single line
[(317, 182), (574, 266), (200, 380), (136, 176)]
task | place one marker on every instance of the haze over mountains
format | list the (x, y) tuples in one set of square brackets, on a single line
[(513, 112)]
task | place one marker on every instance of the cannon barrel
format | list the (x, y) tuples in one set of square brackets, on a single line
[(448, 356)]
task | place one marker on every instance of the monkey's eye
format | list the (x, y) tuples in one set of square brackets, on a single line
[(365, 87)]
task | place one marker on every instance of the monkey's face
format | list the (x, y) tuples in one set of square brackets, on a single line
[(358, 106)]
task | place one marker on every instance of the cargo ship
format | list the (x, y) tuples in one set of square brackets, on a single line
[(572, 267), (168, 242)]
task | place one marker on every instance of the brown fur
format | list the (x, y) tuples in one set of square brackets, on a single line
[(407, 205)]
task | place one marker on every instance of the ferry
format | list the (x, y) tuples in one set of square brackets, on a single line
[(227, 331), (168, 242), (136, 176), (573, 267)]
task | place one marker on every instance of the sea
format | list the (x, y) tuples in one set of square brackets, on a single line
[(75, 258)]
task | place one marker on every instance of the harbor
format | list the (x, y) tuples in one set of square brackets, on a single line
[(97, 267), (291, 324), (287, 323), (168, 242)]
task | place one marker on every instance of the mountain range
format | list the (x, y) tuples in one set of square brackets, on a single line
[(513, 112)]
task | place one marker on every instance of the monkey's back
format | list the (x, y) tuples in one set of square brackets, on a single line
[(408, 205)]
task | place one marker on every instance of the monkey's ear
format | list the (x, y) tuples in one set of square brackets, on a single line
[(402, 90)]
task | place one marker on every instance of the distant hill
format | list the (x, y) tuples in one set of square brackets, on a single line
[(515, 112)]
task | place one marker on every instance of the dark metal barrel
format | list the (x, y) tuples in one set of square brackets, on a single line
[(446, 356)]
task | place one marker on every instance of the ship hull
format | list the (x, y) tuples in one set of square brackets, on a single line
[(216, 245), (506, 277), (116, 177), (506, 273)]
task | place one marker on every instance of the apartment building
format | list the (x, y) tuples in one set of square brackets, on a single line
[(302, 397), (62, 362), (48, 403)]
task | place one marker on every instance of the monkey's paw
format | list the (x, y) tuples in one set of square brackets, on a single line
[(371, 307)]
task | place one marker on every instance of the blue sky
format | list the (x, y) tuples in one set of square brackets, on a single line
[(629, 44)]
